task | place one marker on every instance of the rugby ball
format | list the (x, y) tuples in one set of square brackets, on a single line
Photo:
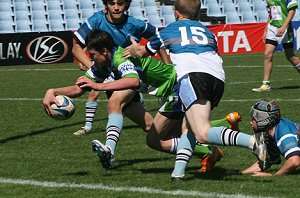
[(65, 110)]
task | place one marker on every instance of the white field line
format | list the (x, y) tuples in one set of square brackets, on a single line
[(122, 189), (154, 100)]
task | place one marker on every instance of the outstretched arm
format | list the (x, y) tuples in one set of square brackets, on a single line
[(121, 84)]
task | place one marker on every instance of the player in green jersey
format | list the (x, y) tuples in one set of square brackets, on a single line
[(278, 30)]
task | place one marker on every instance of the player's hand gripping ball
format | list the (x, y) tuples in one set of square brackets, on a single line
[(65, 110)]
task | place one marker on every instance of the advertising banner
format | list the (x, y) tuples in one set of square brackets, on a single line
[(35, 48)]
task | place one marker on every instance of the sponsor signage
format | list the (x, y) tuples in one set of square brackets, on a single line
[(35, 48)]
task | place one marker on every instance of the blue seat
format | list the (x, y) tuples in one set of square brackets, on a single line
[(214, 10), (86, 13), (72, 24), (248, 17), (169, 18), (39, 26), (73, 14), (136, 11), (6, 7), (23, 26), (22, 16), (262, 16), (166, 10), (6, 27), (38, 5), (229, 7), (86, 4), (55, 5), (56, 25), (22, 6), (221, 2), (245, 6), (136, 3), (6, 16), (148, 3), (39, 15), (71, 4), (259, 6), (155, 20), (56, 15), (206, 2), (151, 10), (232, 18), (100, 5)]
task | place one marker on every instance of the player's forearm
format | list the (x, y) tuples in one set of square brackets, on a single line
[(164, 56), (121, 84), (289, 18), (291, 164), (81, 56), (71, 91)]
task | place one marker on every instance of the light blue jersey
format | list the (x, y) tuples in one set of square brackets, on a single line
[(192, 47), (184, 36), (286, 138), (121, 33)]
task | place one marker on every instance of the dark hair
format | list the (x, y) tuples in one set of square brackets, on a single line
[(98, 40), (188, 8), (128, 2)]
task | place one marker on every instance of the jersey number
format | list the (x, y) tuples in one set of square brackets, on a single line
[(198, 35)]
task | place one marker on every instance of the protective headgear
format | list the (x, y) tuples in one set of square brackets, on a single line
[(266, 113), (128, 2)]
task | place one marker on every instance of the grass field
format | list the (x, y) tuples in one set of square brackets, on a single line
[(40, 157)]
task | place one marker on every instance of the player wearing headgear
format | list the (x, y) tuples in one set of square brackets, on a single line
[(282, 137)]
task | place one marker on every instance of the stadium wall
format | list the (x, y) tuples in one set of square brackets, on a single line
[(56, 47)]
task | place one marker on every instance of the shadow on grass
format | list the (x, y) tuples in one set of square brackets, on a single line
[(47, 130), (286, 87)]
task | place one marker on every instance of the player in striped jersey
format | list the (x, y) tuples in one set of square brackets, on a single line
[(201, 78), (282, 137), (114, 20)]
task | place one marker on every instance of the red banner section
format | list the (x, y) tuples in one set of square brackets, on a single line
[(239, 38)]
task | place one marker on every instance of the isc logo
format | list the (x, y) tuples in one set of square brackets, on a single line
[(47, 49)]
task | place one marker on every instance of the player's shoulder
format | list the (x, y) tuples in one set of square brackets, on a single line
[(133, 20)]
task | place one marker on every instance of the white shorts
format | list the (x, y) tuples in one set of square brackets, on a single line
[(287, 37)]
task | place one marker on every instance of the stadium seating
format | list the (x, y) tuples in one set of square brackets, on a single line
[(262, 16), (248, 17), (148, 3), (232, 18), (22, 16), (136, 11), (214, 10), (55, 5), (22, 6), (169, 19), (39, 15), (166, 10), (39, 26), (73, 14), (56, 25), (6, 7), (56, 15), (23, 26), (6, 27), (72, 24), (86, 4), (151, 10), (38, 5), (155, 20), (6, 16), (86, 13), (71, 4), (229, 7)]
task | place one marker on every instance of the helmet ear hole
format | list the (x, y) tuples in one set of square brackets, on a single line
[(266, 113)]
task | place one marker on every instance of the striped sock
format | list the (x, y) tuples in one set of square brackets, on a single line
[(113, 129), (184, 153), (90, 111)]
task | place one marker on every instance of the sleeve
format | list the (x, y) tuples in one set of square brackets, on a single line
[(86, 28), (127, 69), (291, 4)]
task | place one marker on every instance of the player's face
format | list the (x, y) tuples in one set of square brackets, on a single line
[(253, 124), (115, 10), (100, 58)]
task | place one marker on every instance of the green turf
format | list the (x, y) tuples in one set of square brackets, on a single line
[(38, 148)]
